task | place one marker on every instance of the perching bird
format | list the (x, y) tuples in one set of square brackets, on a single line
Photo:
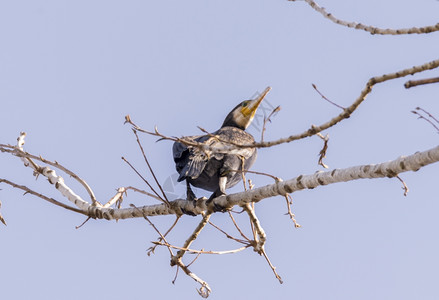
[(217, 170)]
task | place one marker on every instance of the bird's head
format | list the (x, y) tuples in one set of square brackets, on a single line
[(242, 115)]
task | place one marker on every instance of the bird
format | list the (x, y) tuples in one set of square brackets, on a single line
[(219, 166)]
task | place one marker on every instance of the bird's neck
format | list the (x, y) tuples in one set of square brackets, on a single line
[(232, 123)]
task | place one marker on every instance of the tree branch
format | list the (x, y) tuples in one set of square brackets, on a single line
[(412, 83), (371, 29), (313, 130), (388, 169)]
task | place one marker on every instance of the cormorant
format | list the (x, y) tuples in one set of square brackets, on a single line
[(216, 171)]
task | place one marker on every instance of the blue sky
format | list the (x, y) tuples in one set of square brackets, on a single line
[(71, 70)]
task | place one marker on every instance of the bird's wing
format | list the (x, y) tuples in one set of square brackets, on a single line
[(190, 161), (237, 136)]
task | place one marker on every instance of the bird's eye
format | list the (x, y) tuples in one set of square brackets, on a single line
[(244, 104)]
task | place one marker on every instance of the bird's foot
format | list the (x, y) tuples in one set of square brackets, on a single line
[(190, 196), (194, 203), (217, 207)]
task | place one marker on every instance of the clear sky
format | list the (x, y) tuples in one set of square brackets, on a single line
[(71, 70)]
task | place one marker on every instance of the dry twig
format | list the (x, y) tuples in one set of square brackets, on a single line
[(273, 112), (371, 29), (292, 216), (228, 235), (48, 199), (1, 217), (325, 98), (412, 83), (150, 169), (322, 153), (420, 116), (193, 251), (146, 181), (19, 152), (151, 249), (314, 129), (404, 186)]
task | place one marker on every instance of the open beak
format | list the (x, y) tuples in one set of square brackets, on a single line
[(250, 109)]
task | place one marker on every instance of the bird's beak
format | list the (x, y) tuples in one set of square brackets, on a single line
[(250, 110)]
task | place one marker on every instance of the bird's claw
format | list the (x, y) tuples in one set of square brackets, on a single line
[(216, 207), (194, 203)]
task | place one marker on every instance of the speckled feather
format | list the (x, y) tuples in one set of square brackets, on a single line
[(203, 169)]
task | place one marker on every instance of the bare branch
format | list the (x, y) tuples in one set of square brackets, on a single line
[(192, 238), (273, 268), (371, 29), (83, 223), (51, 200), (313, 129), (420, 116), (26, 156), (146, 181), (404, 186), (228, 235), (151, 249), (237, 227), (268, 119), (388, 169), (412, 83), (325, 98), (350, 109), (1, 217), (322, 153), (289, 200), (262, 237), (155, 228), (193, 251), (428, 114), (149, 167)]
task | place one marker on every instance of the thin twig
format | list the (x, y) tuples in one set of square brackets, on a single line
[(243, 172), (150, 168), (258, 173), (322, 153), (273, 268), (237, 227), (228, 235), (155, 228), (429, 115), (176, 275), (404, 186), (195, 259), (204, 290), (289, 200), (83, 223), (1, 217), (314, 129), (424, 118), (151, 249), (20, 153), (51, 200), (274, 111), (247, 206), (146, 181), (371, 29), (193, 236), (193, 251), (261, 236), (324, 97)]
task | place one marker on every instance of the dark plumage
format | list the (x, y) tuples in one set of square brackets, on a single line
[(216, 170)]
